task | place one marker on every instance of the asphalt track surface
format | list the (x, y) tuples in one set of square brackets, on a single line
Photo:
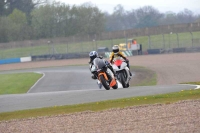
[(72, 85)]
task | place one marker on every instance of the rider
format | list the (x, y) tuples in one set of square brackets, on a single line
[(93, 55), (116, 53)]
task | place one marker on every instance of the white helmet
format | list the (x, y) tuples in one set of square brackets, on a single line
[(115, 49)]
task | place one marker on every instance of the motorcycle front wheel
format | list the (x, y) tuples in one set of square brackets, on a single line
[(115, 86), (104, 83)]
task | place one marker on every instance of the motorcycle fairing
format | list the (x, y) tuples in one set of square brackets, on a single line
[(113, 82)]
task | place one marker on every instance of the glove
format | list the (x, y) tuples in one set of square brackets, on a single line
[(101, 57), (106, 62)]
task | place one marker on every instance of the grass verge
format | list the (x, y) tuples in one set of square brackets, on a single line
[(103, 105), (143, 76), (18, 82)]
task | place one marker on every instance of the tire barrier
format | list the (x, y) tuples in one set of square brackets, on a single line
[(179, 50), (195, 49), (154, 51)]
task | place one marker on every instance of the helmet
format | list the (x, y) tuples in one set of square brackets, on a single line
[(115, 49), (93, 55)]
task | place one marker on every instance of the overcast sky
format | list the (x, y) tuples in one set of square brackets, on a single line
[(161, 5)]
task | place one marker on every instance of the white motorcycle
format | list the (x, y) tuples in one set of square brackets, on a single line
[(122, 71)]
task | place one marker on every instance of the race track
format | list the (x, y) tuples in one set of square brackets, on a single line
[(72, 85)]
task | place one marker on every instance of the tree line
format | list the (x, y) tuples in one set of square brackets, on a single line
[(36, 19)]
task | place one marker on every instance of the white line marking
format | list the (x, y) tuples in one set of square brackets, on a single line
[(197, 86), (37, 81)]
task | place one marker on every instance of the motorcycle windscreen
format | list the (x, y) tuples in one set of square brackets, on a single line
[(100, 63)]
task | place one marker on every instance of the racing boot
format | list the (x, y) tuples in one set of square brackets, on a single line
[(93, 77), (99, 84), (130, 73)]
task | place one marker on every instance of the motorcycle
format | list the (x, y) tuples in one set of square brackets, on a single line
[(104, 74), (122, 71)]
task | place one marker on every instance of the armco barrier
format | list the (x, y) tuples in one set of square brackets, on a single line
[(44, 57), (25, 59), (59, 56), (11, 60)]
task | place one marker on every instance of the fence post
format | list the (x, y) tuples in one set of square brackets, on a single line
[(67, 47), (149, 41), (48, 43), (192, 38), (177, 39), (110, 36), (73, 39), (96, 41), (169, 41), (163, 41)]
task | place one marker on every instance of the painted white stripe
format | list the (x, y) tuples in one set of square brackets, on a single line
[(130, 53), (197, 86), (37, 81), (107, 54), (127, 53), (124, 53), (25, 59)]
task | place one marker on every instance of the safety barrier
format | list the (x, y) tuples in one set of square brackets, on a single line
[(179, 50), (15, 60)]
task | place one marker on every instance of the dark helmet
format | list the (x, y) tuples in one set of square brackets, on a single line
[(93, 55), (115, 49)]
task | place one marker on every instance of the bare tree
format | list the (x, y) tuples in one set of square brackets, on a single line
[(148, 16), (186, 16)]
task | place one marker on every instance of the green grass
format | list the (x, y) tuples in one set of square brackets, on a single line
[(18, 82), (103, 105), (156, 41), (145, 77)]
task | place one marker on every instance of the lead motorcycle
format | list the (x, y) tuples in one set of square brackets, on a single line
[(104, 74), (122, 71)]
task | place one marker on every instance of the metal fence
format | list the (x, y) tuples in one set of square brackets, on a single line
[(162, 37)]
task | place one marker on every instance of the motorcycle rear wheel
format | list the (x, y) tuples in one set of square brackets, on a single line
[(122, 79)]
